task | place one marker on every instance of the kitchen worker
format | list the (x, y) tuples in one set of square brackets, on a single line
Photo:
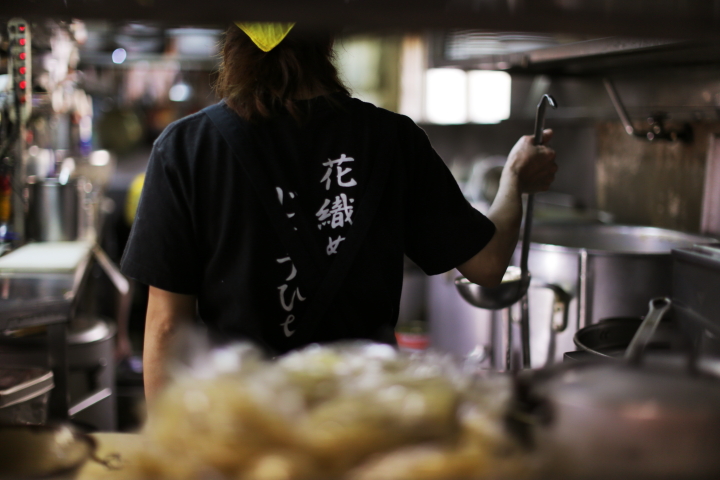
[(282, 214)]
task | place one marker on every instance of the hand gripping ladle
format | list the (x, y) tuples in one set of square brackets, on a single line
[(516, 280)]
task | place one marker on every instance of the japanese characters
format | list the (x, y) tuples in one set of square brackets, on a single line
[(287, 291), (338, 211)]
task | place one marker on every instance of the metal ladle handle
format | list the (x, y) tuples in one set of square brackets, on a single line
[(539, 127), (636, 349), (525, 309)]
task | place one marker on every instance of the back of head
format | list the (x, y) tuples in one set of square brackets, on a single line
[(256, 84)]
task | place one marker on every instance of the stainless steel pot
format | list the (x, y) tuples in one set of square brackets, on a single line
[(53, 210), (603, 270), (641, 418), (607, 420)]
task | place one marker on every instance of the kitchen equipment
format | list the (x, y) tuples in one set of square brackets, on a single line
[(459, 328), (24, 394), (510, 290), (658, 307), (484, 181), (91, 359), (53, 210), (695, 280), (40, 451), (638, 418), (515, 282), (606, 270), (610, 337), (657, 130)]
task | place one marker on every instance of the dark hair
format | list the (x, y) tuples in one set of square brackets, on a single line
[(256, 84)]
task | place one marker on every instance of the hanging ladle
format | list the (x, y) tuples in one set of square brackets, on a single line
[(516, 280)]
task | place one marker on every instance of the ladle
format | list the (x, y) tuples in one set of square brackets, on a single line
[(516, 281)]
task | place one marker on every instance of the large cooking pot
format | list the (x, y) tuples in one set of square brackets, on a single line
[(642, 418), (595, 272)]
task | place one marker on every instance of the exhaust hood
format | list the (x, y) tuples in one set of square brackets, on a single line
[(564, 55)]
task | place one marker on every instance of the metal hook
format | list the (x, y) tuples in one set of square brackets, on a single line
[(540, 116)]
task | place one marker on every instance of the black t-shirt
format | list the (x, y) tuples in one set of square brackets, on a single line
[(201, 227)]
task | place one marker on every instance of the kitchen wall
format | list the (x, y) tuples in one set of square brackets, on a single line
[(658, 183), (575, 143)]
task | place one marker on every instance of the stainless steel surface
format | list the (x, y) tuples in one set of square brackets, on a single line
[(658, 307), (53, 211), (86, 387), (696, 276), (456, 326), (524, 307), (610, 338), (513, 287), (32, 299), (88, 330), (502, 296), (548, 54), (560, 305), (608, 420), (645, 417), (607, 270), (617, 103), (613, 240)]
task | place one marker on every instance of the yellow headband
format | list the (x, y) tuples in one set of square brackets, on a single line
[(266, 35)]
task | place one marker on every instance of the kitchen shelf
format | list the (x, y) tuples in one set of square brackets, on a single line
[(33, 297)]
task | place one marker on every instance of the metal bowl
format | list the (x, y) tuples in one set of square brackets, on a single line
[(502, 296)]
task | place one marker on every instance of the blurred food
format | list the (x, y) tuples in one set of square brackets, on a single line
[(355, 411)]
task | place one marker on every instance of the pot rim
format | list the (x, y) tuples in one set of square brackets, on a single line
[(630, 230)]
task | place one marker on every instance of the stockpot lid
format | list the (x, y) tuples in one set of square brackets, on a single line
[(612, 239)]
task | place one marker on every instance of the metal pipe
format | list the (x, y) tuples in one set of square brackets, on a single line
[(620, 108)]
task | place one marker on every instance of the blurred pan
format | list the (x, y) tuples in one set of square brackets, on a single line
[(46, 451)]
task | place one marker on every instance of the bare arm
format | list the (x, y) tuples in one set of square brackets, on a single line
[(166, 310), (529, 169)]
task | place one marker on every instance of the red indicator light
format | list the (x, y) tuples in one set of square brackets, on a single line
[(21, 28), (22, 56), (22, 70), (22, 42), (22, 84)]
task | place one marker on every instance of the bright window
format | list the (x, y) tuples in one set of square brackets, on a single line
[(446, 96), (488, 96)]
